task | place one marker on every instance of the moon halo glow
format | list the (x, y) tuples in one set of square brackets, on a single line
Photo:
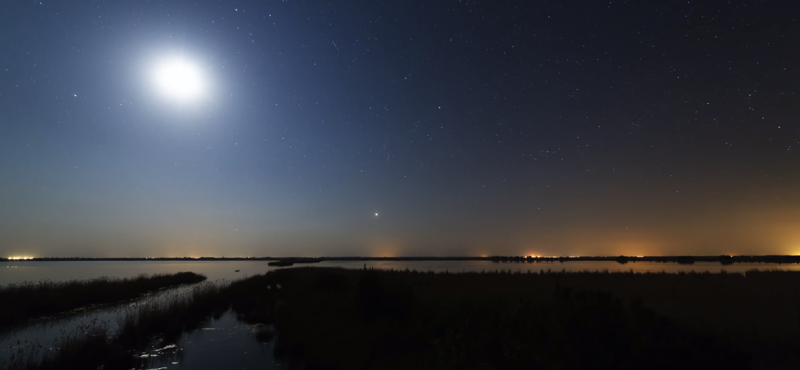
[(179, 80)]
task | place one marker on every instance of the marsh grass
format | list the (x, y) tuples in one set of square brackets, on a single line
[(331, 318), (32, 300), (168, 316), (77, 347), (360, 319), (142, 328)]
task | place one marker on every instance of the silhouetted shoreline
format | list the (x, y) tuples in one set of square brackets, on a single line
[(723, 259)]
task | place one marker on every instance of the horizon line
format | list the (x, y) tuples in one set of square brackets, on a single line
[(483, 257)]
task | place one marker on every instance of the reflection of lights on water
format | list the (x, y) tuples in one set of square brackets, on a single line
[(19, 258)]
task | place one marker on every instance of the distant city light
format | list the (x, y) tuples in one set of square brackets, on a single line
[(19, 258)]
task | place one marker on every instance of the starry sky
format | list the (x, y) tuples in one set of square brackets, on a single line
[(468, 127)]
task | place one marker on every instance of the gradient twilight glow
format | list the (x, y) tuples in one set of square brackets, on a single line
[(255, 128)]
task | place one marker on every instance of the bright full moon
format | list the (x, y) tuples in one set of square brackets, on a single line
[(180, 80)]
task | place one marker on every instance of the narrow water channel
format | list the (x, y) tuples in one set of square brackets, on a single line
[(223, 343)]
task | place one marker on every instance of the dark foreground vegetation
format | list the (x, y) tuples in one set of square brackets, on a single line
[(25, 301), (330, 318), (369, 319), (142, 329)]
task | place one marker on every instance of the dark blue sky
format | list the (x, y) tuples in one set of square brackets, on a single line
[(552, 128)]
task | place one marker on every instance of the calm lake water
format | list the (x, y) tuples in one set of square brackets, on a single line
[(226, 342)]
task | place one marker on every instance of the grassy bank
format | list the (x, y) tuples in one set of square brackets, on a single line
[(25, 301)]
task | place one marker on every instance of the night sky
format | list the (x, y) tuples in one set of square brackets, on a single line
[(392, 128)]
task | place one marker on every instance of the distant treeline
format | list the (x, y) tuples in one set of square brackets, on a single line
[(288, 261)]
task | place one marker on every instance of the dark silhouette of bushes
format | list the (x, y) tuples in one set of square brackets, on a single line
[(377, 298), (401, 319), (253, 299)]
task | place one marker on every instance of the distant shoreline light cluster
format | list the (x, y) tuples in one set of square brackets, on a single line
[(20, 258)]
